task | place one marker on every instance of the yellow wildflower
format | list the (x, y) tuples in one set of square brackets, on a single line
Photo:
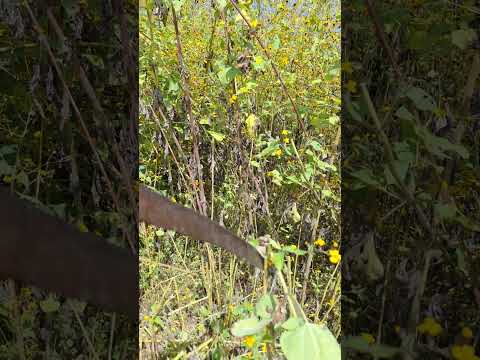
[(264, 348), (249, 341), (278, 152), (463, 352), (368, 337), (319, 242), (286, 140), (335, 244), (467, 333), (351, 86), (347, 67), (335, 256), (284, 132), (430, 326), (82, 227), (232, 99)]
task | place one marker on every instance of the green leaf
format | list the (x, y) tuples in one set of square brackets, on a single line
[(251, 125), (445, 211), (259, 63), (332, 73), (222, 4), (250, 326), (422, 100), (463, 37), (227, 74), (216, 136), (293, 323), (326, 193), (49, 305), (310, 341), (402, 169), (461, 261), (276, 43), (265, 306), (438, 145), (269, 150), (255, 164), (5, 168), (177, 4), (419, 40), (380, 351), (95, 60), (277, 260), (77, 305), (403, 113), (294, 214), (366, 176)]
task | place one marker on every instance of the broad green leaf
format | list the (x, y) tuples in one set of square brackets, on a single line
[(177, 4), (461, 261), (326, 193), (265, 306), (332, 73), (360, 345), (251, 125), (259, 63), (366, 176), (403, 113), (419, 40), (222, 4), (463, 37), (5, 168), (49, 305), (294, 215), (422, 100), (438, 145), (276, 43), (293, 323), (227, 74), (95, 60), (250, 326), (216, 136), (277, 260), (310, 341), (445, 211)]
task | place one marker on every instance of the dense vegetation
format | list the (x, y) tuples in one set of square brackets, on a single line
[(411, 179), (68, 145), (238, 119)]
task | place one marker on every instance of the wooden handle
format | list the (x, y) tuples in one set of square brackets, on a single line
[(158, 211), (40, 250)]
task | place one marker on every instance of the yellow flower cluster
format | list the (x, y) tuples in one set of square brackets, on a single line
[(369, 338), (464, 352), (249, 341), (334, 256), (430, 326)]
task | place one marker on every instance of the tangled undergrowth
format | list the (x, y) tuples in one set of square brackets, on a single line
[(239, 104), (410, 190)]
